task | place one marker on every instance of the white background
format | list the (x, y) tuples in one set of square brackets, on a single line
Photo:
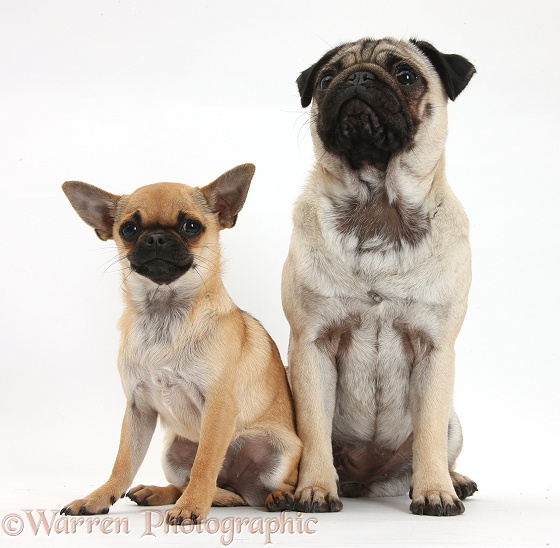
[(125, 93)]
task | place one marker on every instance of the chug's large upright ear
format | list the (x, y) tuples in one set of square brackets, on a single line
[(306, 80), (95, 206), (454, 70), (227, 194)]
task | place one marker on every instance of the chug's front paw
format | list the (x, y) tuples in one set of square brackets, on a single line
[(435, 503), (316, 499), (89, 506)]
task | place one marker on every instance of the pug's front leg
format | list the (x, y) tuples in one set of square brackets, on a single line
[(432, 491), (313, 379)]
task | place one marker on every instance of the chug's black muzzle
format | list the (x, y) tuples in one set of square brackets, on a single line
[(160, 256)]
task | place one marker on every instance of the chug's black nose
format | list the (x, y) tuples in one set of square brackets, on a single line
[(157, 239), (360, 78)]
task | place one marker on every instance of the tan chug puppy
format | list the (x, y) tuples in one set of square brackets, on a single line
[(188, 355), (376, 281)]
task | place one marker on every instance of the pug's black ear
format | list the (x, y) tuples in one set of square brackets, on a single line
[(227, 194), (306, 80), (95, 206), (454, 70)]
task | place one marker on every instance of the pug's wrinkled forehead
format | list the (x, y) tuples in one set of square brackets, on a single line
[(453, 70), (385, 53)]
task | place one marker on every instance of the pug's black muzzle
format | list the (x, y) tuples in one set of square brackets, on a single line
[(161, 257), (365, 120)]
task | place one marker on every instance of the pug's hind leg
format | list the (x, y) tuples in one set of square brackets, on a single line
[(464, 486)]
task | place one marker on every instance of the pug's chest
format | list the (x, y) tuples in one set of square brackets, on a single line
[(377, 341), (379, 286), (382, 322)]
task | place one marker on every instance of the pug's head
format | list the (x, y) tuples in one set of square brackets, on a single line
[(375, 99)]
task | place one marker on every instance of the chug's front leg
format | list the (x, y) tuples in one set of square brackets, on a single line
[(136, 434), (216, 434)]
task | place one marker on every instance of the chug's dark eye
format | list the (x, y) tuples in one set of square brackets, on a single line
[(128, 231), (406, 76), (190, 227), (325, 81)]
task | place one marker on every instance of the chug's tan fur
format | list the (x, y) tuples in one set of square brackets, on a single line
[(189, 356)]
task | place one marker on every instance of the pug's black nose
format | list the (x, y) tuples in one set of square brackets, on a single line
[(156, 239), (360, 78)]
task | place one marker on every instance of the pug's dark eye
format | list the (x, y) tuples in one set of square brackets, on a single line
[(128, 231), (190, 227), (406, 76), (325, 81)]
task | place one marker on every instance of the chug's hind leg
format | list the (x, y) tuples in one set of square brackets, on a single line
[(177, 461), (252, 468), (223, 497), (262, 468), (284, 483), (151, 495)]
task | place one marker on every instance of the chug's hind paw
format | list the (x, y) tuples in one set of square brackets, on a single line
[(279, 501), (152, 495)]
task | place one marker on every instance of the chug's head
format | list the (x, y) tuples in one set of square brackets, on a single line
[(164, 230)]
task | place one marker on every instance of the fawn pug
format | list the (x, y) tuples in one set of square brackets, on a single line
[(190, 356), (376, 281)]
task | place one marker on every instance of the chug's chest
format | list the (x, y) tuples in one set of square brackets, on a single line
[(160, 374)]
